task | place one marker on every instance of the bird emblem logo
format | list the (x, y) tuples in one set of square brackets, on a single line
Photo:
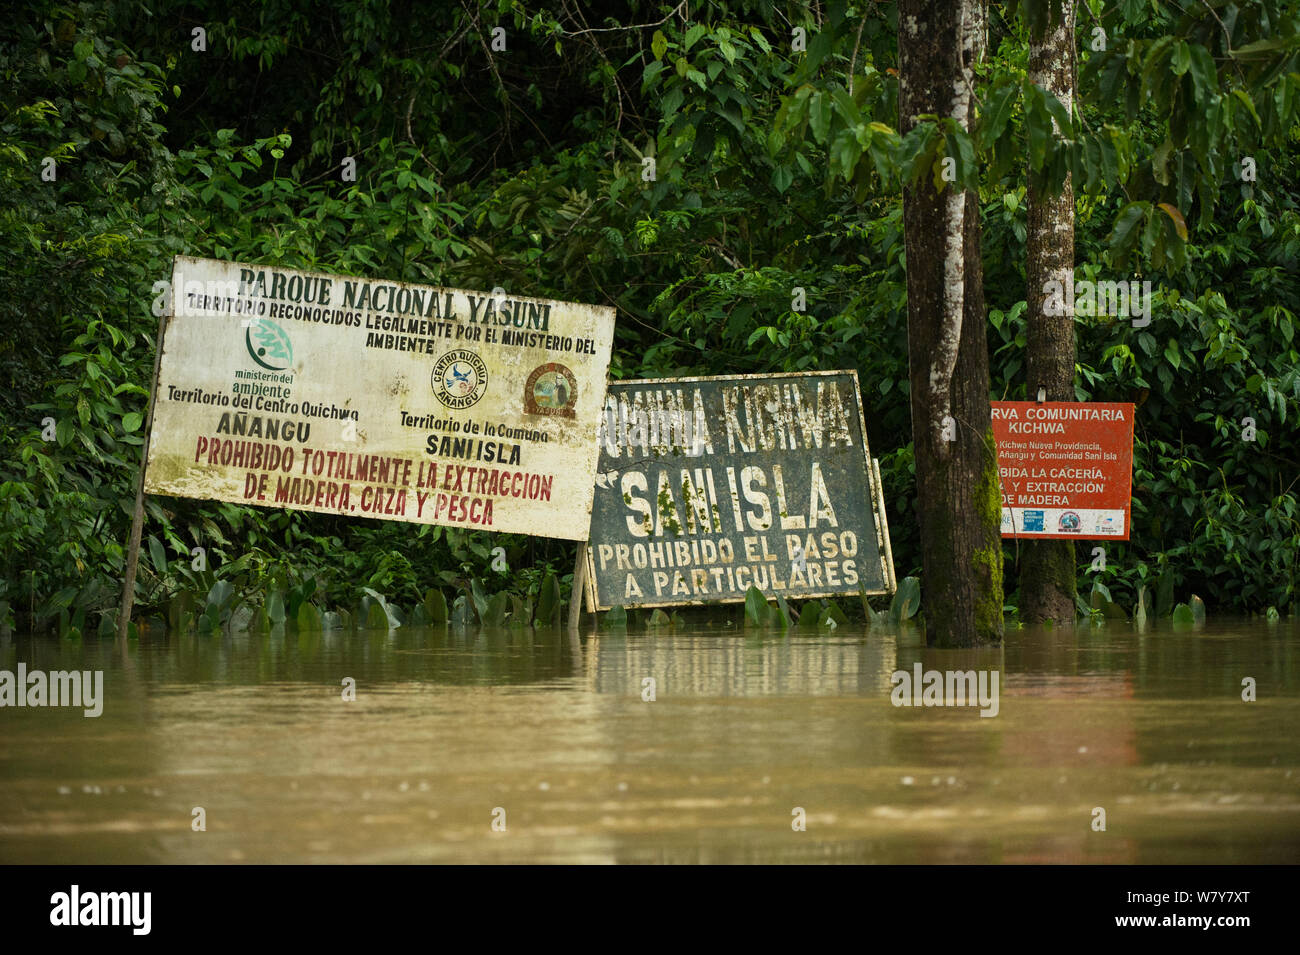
[(459, 378)]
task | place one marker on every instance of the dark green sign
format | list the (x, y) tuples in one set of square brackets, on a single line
[(708, 486)]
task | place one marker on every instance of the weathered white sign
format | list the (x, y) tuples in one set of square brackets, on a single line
[(371, 398)]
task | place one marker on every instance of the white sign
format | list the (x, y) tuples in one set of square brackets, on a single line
[(371, 398)]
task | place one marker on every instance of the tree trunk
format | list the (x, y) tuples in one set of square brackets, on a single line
[(1047, 580), (958, 494)]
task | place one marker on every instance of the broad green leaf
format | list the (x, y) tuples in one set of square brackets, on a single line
[(732, 115), (757, 612), (782, 615), (1181, 59), (548, 603), (521, 612), (158, 555), (1267, 46), (833, 612), (848, 153), (435, 607), (1038, 124), (671, 102), (873, 617), (1160, 162), (309, 618), (658, 44), (495, 615), (1125, 224), (810, 617), (1060, 115), (1205, 76), (1001, 104), (819, 116), (376, 617), (1165, 593), (651, 71), (907, 599), (275, 607), (1249, 104), (480, 598)]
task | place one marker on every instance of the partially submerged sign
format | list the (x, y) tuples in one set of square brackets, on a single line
[(708, 486), (1066, 468), (371, 398)]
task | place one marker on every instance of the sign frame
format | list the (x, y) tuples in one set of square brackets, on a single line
[(875, 492)]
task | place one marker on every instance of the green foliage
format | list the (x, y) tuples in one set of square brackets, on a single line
[(810, 617), (782, 617), (776, 170), (907, 600), (658, 620), (435, 607), (548, 603), (873, 616), (757, 612)]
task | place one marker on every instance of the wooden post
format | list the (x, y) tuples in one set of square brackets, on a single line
[(579, 587), (137, 518), (883, 518)]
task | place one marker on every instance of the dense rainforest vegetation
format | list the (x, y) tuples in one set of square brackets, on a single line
[(505, 143)]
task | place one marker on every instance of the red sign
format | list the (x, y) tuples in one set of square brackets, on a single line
[(1066, 468)]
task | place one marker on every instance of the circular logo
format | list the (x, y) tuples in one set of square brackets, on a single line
[(459, 378), (1070, 523), (551, 389), (268, 344)]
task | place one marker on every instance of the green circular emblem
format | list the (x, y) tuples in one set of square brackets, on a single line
[(268, 345)]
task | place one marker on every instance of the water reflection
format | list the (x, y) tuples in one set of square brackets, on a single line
[(447, 727)]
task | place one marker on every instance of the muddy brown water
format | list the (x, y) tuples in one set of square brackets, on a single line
[(452, 734)]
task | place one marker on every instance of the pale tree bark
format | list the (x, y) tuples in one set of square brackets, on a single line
[(1047, 577), (958, 495)]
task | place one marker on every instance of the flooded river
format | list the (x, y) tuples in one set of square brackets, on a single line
[(533, 747)]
